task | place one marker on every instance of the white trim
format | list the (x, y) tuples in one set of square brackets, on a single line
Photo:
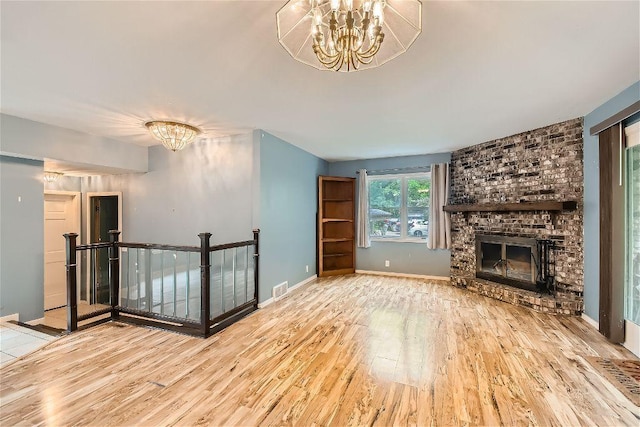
[(632, 133), (265, 303), (632, 337), (294, 287), (412, 276), (590, 321), (63, 193), (15, 317), (302, 283)]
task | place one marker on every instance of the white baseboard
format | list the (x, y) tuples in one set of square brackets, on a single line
[(413, 276), (302, 283), (590, 321), (296, 286), (15, 317)]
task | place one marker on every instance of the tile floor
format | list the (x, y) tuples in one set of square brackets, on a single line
[(16, 341)]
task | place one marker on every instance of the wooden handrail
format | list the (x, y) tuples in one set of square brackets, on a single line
[(203, 328)]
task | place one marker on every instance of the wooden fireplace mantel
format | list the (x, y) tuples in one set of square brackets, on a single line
[(550, 206)]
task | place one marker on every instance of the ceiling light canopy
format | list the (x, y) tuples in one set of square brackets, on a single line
[(173, 135), (348, 35), (50, 176)]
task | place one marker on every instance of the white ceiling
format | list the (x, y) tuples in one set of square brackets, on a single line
[(479, 71)]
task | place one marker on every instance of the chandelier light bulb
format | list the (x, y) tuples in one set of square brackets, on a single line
[(335, 5), (317, 17), (366, 5), (377, 11)]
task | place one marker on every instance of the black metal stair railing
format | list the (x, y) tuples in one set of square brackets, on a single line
[(197, 290)]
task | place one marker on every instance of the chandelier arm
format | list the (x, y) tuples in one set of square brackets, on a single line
[(366, 60), (338, 60), (373, 50), (379, 38), (341, 63), (317, 45), (330, 61), (354, 62), (325, 58)]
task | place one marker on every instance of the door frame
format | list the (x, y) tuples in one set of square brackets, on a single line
[(87, 205), (87, 213), (631, 330), (77, 209)]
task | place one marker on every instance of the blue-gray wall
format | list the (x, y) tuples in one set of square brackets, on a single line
[(288, 206), (412, 258), (22, 242), (34, 140), (592, 196), (206, 187)]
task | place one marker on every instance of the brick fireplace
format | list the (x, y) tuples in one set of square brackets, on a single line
[(529, 188)]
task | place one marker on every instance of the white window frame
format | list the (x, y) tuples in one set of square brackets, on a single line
[(404, 216)]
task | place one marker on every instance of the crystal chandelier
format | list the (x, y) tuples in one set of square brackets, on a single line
[(348, 35), (50, 176), (173, 135)]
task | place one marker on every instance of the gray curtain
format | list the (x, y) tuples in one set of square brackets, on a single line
[(439, 221), (362, 224)]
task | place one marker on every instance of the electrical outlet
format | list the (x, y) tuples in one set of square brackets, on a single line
[(386, 263), (306, 267)]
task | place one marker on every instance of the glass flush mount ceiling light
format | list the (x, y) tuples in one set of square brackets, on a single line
[(50, 176), (348, 35), (173, 135)]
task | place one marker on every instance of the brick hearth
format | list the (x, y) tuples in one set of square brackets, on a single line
[(542, 164)]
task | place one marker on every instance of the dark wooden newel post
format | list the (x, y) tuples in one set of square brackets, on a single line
[(256, 261), (72, 284), (114, 272), (205, 278)]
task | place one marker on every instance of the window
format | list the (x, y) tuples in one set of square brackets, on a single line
[(399, 207)]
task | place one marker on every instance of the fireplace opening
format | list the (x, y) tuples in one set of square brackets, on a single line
[(517, 261), (520, 263)]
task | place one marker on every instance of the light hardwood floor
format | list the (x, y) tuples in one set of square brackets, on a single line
[(352, 350)]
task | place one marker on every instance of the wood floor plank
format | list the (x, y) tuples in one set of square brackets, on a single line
[(351, 350)]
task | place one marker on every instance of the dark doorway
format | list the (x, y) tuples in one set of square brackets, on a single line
[(104, 217)]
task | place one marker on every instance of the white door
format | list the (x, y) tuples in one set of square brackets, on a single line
[(60, 217)]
